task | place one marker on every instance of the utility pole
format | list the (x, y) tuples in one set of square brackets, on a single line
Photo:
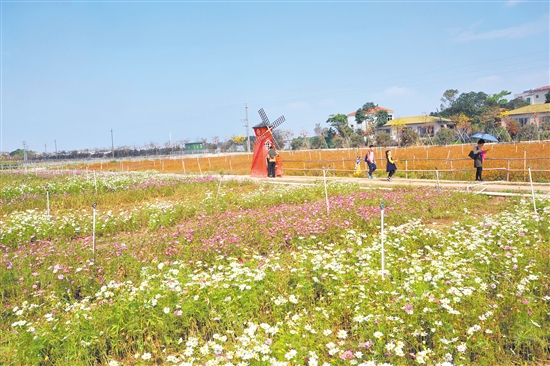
[(25, 151), (55, 143), (247, 129), (112, 144)]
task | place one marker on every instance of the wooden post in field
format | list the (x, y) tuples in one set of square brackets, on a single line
[(183, 165), (209, 167), (47, 201), (382, 239), (462, 149), (326, 192), (524, 162), (101, 165), (230, 166), (532, 191), (199, 164), (309, 155), (304, 163), (343, 164), (452, 175), (508, 171), (406, 169), (162, 165), (93, 230)]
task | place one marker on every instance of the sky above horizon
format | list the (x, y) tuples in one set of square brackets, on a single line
[(160, 71)]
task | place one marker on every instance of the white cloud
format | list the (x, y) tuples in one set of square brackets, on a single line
[(488, 80), (396, 91), (297, 106), (515, 32), (327, 102), (512, 2)]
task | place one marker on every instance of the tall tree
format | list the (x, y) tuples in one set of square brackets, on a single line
[(381, 117), (365, 113), (516, 103), (498, 99), (448, 98), (340, 123)]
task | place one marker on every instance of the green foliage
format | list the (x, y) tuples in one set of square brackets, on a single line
[(383, 139), (515, 104), (318, 142), (445, 136), (297, 143), (340, 123), (356, 140), (528, 132), (381, 117), (409, 137), (338, 142)]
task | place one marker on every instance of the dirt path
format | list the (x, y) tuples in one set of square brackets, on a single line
[(493, 187)]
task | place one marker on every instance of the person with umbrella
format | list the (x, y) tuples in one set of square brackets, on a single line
[(479, 158)]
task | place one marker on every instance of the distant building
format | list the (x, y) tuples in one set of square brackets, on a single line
[(424, 125), (534, 96), (194, 147), (531, 114), (371, 113)]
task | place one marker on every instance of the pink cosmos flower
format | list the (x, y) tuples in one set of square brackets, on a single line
[(348, 355)]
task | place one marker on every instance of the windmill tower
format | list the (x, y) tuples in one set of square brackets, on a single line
[(264, 141)]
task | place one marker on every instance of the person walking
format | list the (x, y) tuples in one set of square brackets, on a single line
[(271, 161), (369, 159), (479, 158), (390, 164)]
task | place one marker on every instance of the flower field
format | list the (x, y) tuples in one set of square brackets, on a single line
[(199, 270), (505, 161)]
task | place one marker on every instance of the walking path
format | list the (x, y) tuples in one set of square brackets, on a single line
[(492, 187)]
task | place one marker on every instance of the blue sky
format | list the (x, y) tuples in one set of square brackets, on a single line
[(151, 71)]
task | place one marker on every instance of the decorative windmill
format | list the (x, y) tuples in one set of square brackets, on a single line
[(264, 141)]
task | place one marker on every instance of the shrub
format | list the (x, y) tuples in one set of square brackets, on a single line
[(445, 136), (409, 137), (383, 139)]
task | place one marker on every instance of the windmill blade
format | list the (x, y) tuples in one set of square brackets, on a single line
[(264, 117), (278, 122)]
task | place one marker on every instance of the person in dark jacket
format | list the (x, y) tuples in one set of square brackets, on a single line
[(390, 164), (479, 157), (271, 161)]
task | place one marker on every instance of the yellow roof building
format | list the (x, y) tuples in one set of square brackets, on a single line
[(533, 108)]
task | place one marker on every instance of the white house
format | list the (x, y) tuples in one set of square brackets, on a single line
[(371, 113), (424, 125), (534, 96)]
